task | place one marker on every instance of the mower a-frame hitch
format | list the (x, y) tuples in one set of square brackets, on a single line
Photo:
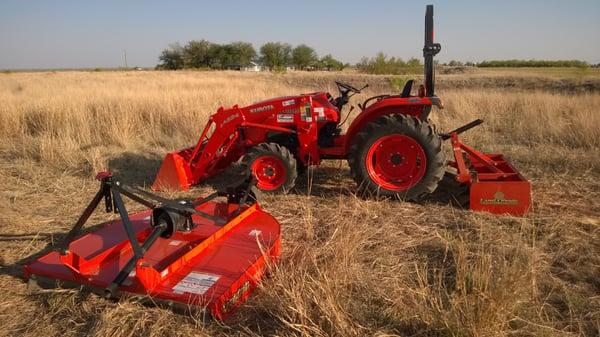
[(184, 253)]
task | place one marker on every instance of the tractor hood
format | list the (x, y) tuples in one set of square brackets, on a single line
[(277, 99), (286, 101)]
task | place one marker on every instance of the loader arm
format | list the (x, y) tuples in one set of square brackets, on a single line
[(182, 169), (221, 143)]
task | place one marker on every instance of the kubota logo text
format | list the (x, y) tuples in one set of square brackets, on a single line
[(262, 108)]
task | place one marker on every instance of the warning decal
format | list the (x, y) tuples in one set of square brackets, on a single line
[(285, 118), (288, 102), (195, 283), (320, 111)]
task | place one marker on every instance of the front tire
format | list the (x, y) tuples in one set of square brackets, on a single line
[(273, 166), (397, 156)]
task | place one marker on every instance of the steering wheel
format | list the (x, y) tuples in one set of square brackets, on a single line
[(347, 86)]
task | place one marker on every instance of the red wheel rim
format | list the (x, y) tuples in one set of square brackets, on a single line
[(396, 162), (269, 172)]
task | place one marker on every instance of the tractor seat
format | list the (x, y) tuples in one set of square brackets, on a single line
[(407, 89)]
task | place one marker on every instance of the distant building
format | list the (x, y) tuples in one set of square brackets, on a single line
[(252, 67)]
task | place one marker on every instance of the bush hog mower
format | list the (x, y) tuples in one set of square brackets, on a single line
[(391, 147), (185, 254)]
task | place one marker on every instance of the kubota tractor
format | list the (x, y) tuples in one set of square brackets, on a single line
[(391, 147)]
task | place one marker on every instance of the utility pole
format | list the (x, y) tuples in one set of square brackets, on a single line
[(125, 57)]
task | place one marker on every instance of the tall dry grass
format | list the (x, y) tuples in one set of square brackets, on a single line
[(59, 118), (350, 266)]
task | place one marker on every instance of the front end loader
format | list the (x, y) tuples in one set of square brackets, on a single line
[(392, 148)]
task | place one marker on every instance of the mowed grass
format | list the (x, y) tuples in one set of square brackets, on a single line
[(349, 266)]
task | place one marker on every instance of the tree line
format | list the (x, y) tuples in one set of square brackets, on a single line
[(521, 64), (382, 64), (533, 63), (199, 54), (203, 54)]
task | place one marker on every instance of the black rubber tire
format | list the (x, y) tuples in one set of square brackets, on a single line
[(422, 132), (275, 150)]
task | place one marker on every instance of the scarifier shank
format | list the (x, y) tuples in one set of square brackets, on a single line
[(209, 266)]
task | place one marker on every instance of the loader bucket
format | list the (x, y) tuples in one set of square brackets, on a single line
[(202, 255), (174, 173)]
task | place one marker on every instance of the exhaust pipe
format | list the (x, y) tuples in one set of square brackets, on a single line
[(429, 51)]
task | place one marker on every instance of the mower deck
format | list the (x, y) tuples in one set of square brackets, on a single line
[(211, 266)]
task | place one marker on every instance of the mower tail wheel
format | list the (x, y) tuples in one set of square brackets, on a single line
[(397, 156), (272, 165)]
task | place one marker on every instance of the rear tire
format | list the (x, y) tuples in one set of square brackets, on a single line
[(397, 156), (272, 165)]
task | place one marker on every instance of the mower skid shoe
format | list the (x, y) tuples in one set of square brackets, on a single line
[(39, 285), (174, 173)]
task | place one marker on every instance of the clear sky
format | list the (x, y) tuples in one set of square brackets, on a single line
[(72, 34)]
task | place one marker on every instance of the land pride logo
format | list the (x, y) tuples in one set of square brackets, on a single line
[(499, 200), (235, 297)]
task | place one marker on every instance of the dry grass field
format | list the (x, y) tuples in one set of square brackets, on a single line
[(349, 266)]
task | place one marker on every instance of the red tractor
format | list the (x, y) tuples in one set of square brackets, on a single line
[(391, 146)]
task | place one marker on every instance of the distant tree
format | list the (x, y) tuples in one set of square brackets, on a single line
[(382, 64), (455, 63), (171, 58), (533, 63), (303, 56), (363, 63), (413, 62), (234, 55), (242, 53), (196, 54), (219, 56), (327, 62), (275, 55)]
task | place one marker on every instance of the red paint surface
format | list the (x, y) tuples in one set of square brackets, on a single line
[(227, 251), (396, 162), (269, 171)]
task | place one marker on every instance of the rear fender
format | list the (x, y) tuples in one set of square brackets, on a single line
[(411, 106)]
